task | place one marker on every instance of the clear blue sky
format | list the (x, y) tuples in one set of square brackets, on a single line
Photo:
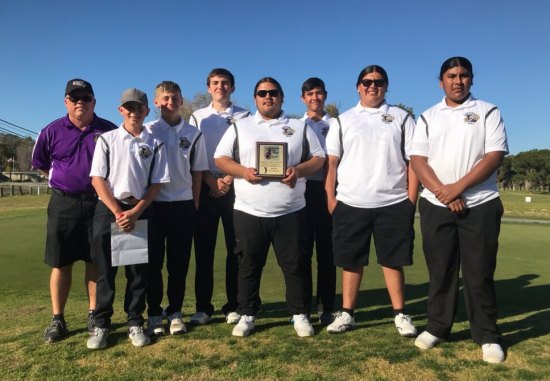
[(120, 44)]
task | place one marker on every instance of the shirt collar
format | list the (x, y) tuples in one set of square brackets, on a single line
[(67, 123), (126, 135), (281, 119), (228, 110), (468, 103), (165, 126), (383, 109), (307, 119)]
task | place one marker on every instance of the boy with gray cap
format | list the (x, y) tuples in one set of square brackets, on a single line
[(128, 168)]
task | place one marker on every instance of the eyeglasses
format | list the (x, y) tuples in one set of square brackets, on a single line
[(83, 98), (263, 93), (377, 82)]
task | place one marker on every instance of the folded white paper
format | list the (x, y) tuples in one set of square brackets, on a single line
[(129, 248)]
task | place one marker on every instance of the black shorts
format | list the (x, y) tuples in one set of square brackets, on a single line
[(391, 226), (69, 229)]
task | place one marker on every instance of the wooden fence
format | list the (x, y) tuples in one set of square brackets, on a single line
[(15, 189)]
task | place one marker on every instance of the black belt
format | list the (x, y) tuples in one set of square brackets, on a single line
[(129, 201), (81, 196)]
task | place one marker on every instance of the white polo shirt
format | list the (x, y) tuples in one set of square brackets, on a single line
[(125, 162), (321, 130), (454, 139), (179, 142), (213, 125), (372, 172), (269, 198)]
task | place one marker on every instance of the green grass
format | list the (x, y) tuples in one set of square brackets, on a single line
[(373, 351)]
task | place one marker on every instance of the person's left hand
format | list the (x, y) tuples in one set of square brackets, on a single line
[(292, 176), (448, 193)]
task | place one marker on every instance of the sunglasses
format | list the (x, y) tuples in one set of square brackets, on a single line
[(263, 93), (377, 82), (83, 98)]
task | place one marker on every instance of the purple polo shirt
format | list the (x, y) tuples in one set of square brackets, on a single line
[(67, 152)]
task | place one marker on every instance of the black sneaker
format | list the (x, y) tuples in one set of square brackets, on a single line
[(57, 330), (91, 322)]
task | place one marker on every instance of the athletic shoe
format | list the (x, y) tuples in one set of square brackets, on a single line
[(155, 326), (232, 318), (57, 330), (492, 353), (177, 327), (326, 318), (138, 337), (244, 326), (91, 322), (200, 318), (426, 340), (302, 326), (98, 338), (404, 325), (342, 322)]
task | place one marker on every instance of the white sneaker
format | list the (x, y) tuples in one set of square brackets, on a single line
[(155, 326), (98, 338), (492, 353), (342, 322), (302, 326), (404, 325), (137, 336), (177, 327), (200, 318), (426, 340), (244, 326), (232, 318)]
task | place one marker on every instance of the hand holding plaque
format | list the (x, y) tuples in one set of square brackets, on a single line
[(271, 159)]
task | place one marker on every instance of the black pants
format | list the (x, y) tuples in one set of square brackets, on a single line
[(172, 227), (469, 240), (288, 235), (206, 233), (320, 234), (136, 275)]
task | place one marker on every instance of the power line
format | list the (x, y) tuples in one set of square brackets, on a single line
[(13, 133), (16, 126)]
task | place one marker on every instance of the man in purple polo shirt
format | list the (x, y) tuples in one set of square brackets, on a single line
[(63, 152)]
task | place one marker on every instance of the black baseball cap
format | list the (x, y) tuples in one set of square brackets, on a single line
[(78, 84)]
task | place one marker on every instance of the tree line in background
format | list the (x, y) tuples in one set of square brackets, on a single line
[(528, 171)]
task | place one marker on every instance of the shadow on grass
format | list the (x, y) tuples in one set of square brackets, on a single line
[(527, 307)]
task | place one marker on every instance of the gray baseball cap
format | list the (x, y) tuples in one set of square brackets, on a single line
[(134, 95)]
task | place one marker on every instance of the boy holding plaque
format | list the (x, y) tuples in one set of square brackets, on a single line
[(270, 207)]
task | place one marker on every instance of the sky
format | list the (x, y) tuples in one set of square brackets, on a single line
[(116, 45)]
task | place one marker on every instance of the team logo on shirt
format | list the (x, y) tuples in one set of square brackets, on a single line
[(324, 131), (96, 136), (184, 143), (144, 151), (288, 131), (471, 117), (387, 118)]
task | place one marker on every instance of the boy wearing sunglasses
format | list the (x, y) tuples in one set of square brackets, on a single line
[(63, 152), (271, 210), (216, 200)]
